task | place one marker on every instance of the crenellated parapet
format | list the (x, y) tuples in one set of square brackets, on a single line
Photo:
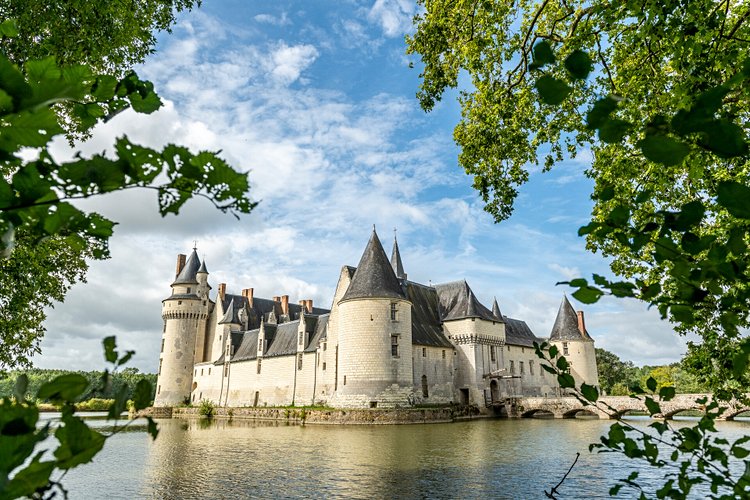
[(462, 339)]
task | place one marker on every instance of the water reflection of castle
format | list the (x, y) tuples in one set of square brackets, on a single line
[(385, 342)]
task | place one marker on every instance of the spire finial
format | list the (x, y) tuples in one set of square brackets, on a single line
[(195, 244), (373, 228), (394, 233)]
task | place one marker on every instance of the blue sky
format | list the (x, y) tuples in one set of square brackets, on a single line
[(317, 101)]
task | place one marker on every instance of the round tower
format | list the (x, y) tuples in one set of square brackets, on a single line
[(375, 339), (183, 313), (575, 344)]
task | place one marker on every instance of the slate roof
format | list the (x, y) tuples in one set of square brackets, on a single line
[(517, 332), (319, 331), (230, 314), (396, 264), (248, 348), (457, 301), (262, 308), (566, 324), (374, 276), (203, 267), (189, 270), (425, 316), (496, 309)]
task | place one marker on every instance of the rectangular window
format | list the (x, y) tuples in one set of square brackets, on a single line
[(424, 352), (188, 289), (520, 367), (260, 345), (227, 350), (179, 302), (196, 372), (259, 362), (164, 328), (394, 345), (162, 345), (299, 361), (531, 368), (160, 362), (299, 341), (512, 368), (393, 311), (443, 353), (200, 396), (209, 371), (565, 349), (158, 390), (201, 372), (226, 370), (344, 379), (324, 365), (492, 353)]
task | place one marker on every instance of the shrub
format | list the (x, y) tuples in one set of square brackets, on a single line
[(206, 408)]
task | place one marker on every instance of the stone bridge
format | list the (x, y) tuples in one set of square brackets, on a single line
[(617, 406)]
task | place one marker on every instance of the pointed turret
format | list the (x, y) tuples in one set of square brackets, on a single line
[(228, 317), (396, 264), (187, 274), (374, 277), (203, 267), (496, 309), (566, 325)]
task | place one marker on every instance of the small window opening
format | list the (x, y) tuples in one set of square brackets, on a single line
[(424, 352), (299, 361), (492, 353), (162, 345), (324, 365), (259, 363), (565, 349), (189, 289), (443, 353), (425, 391), (531, 368), (325, 345), (160, 363), (299, 341), (373, 404), (520, 367), (344, 379), (512, 368), (394, 345), (394, 311)]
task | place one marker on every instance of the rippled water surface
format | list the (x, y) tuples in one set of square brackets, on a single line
[(246, 459)]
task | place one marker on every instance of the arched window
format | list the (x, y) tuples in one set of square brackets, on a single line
[(425, 392)]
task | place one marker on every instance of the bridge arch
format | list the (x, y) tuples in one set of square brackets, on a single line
[(733, 413), (538, 413), (579, 412)]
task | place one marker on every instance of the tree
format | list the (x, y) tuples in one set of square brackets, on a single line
[(612, 370), (71, 87), (666, 117)]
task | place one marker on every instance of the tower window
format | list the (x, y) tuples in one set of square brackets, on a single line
[(424, 352), (443, 353), (164, 328), (260, 344), (520, 367), (565, 349), (259, 363), (325, 345), (189, 289), (201, 372), (299, 361), (531, 368), (179, 302), (512, 368), (160, 362), (344, 379), (492, 353), (162, 345), (209, 371), (394, 345), (226, 370), (324, 365), (301, 334), (394, 311)]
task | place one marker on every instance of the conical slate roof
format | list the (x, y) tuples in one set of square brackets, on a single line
[(203, 267), (566, 323), (496, 309), (374, 277), (229, 314), (396, 264), (189, 270), (457, 301)]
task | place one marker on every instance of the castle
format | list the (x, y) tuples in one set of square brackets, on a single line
[(386, 342)]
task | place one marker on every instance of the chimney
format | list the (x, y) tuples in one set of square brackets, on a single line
[(222, 290), (180, 263), (581, 324), (248, 294), (276, 298), (309, 306), (285, 304)]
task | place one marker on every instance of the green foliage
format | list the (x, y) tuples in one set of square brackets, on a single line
[(129, 380), (45, 239), (686, 456), (206, 408), (26, 467)]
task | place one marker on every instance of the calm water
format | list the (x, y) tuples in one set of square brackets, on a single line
[(246, 459)]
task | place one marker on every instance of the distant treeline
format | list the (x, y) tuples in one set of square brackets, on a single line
[(128, 377)]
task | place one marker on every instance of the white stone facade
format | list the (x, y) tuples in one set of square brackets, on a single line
[(391, 345)]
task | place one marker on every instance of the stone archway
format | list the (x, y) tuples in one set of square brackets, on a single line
[(494, 391)]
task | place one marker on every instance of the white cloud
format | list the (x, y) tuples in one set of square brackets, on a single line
[(393, 16), (281, 20), (289, 62)]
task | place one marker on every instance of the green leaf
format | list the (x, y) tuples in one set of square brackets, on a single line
[(682, 313), (587, 295), (147, 104), (578, 64), (589, 392), (619, 216), (110, 354), (666, 393), (578, 282), (20, 387), (725, 139), (119, 404), (614, 131), (151, 427), (65, 388), (562, 364), (553, 351), (78, 443), (542, 54), (652, 406), (566, 381), (8, 28), (599, 112), (124, 359), (735, 198), (551, 90), (651, 384), (663, 149), (690, 215), (32, 478), (142, 394)]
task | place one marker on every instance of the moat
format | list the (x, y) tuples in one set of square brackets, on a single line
[(489, 458)]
